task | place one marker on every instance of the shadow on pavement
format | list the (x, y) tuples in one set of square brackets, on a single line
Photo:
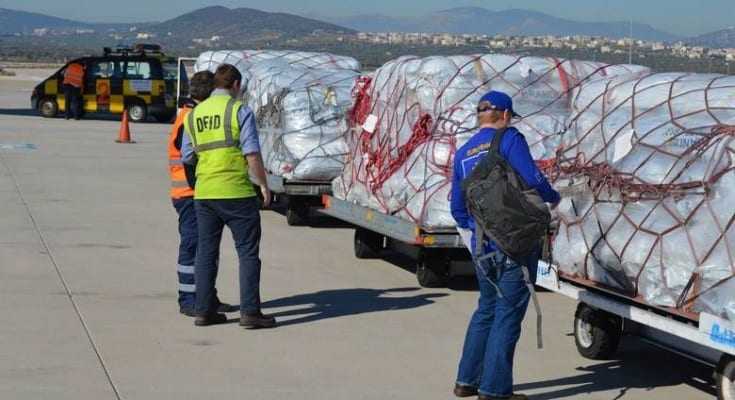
[(22, 112), (639, 366), (344, 302), (29, 112)]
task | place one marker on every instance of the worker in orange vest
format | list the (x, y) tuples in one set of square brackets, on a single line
[(72, 86), (182, 196)]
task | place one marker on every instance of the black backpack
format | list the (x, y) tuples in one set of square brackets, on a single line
[(504, 209)]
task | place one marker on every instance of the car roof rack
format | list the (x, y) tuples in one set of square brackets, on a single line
[(137, 49)]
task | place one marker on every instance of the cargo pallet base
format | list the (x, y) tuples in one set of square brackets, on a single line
[(436, 252), (603, 317), (301, 197)]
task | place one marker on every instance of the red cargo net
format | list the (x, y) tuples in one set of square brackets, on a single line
[(413, 143), (686, 194)]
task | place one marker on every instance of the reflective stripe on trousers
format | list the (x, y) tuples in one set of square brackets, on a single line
[(186, 278), (185, 269), (187, 288)]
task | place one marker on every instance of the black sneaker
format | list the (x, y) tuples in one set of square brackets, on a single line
[(257, 321), (188, 311), (211, 319), (221, 308), (227, 308), (464, 390)]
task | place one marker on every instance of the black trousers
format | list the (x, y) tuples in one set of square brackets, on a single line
[(73, 97)]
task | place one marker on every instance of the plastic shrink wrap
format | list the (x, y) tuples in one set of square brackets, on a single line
[(418, 111), (650, 163), (300, 100)]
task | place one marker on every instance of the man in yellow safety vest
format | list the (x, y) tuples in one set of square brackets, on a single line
[(222, 137)]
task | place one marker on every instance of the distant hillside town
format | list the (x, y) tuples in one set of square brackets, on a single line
[(501, 42), (373, 41)]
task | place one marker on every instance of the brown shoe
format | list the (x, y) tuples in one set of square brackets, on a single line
[(514, 396), (464, 390), (211, 319), (257, 321)]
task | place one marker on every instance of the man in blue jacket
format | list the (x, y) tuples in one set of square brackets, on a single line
[(486, 367)]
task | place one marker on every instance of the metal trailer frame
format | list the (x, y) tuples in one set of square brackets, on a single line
[(180, 63), (435, 250), (301, 196), (603, 317)]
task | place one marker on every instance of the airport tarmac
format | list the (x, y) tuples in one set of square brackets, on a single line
[(88, 246)]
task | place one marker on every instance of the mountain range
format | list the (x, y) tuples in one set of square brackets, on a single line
[(241, 22), (513, 22), (235, 24), (721, 39), (23, 22), (230, 23)]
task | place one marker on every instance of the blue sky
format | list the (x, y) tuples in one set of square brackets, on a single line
[(684, 17)]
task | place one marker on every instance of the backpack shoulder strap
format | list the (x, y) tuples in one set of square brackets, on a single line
[(497, 140)]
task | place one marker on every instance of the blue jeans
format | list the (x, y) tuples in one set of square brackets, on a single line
[(187, 250), (242, 216), (495, 327)]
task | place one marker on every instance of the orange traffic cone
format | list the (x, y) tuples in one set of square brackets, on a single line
[(124, 135)]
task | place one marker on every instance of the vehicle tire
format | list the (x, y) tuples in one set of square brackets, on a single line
[(596, 333), (432, 270), (367, 244), (725, 378), (137, 112), (48, 107), (297, 213)]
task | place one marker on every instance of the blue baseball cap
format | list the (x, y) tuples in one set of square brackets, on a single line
[(498, 101)]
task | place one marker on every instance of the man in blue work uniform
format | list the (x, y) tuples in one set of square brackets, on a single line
[(486, 367), (183, 182)]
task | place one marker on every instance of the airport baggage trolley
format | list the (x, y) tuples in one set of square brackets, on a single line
[(301, 196), (602, 317), (436, 252)]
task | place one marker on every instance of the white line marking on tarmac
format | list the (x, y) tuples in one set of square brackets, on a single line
[(69, 294)]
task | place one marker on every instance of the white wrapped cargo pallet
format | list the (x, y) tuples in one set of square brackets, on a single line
[(652, 216), (301, 115), (243, 60), (300, 100), (211, 59), (418, 111)]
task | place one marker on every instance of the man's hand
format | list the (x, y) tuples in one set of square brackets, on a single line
[(267, 197), (258, 176)]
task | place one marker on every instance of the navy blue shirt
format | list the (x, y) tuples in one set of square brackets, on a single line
[(515, 150)]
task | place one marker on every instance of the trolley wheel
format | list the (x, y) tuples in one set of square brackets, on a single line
[(297, 213), (432, 270), (596, 333), (367, 244), (725, 378), (48, 107)]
